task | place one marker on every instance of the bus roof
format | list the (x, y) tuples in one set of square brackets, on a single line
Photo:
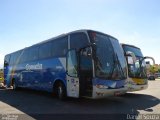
[(76, 31), (62, 35), (123, 44)]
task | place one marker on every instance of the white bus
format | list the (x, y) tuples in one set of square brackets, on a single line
[(137, 74)]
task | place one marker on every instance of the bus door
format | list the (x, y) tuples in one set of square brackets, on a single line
[(85, 72), (72, 74)]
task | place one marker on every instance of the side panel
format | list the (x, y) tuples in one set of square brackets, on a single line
[(41, 74)]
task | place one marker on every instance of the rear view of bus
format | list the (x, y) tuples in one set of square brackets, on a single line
[(82, 63), (137, 74)]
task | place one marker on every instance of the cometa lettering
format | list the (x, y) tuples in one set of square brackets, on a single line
[(34, 67)]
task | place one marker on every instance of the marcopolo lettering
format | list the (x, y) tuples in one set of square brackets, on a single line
[(34, 67)]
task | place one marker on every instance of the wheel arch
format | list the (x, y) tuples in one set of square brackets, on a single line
[(56, 81), (12, 81)]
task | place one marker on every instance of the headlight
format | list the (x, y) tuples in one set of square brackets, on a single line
[(101, 86)]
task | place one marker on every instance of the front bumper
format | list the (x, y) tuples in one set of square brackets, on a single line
[(131, 88), (103, 92)]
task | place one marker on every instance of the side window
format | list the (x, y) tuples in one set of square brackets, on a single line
[(72, 64), (59, 47), (12, 59), (15, 58), (18, 56), (45, 50), (6, 60), (24, 56), (33, 54), (78, 40)]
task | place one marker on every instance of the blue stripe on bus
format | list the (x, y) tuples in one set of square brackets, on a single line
[(109, 83)]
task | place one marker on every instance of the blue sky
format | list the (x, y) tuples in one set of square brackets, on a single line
[(26, 22)]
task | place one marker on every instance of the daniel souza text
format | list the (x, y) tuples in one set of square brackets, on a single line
[(143, 117)]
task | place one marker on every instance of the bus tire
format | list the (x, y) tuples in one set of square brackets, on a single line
[(60, 91), (15, 87)]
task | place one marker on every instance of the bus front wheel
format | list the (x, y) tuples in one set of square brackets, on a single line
[(60, 91)]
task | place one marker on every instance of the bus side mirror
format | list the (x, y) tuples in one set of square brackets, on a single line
[(86, 52), (147, 57), (132, 55), (93, 45)]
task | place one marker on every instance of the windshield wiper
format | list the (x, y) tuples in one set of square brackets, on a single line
[(119, 65), (116, 62), (112, 70)]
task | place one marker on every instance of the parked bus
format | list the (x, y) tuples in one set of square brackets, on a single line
[(83, 63), (137, 74)]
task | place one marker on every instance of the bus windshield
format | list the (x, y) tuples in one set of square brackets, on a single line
[(109, 63), (137, 69)]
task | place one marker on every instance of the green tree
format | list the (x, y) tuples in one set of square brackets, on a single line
[(1, 75), (152, 69)]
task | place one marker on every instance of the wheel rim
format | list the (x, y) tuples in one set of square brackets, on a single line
[(14, 86), (60, 91)]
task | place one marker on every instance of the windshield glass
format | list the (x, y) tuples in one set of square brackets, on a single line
[(120, 57), (137, 70), (108, 62)]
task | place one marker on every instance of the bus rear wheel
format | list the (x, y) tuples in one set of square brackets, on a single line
[(60, 91), (15, 87)]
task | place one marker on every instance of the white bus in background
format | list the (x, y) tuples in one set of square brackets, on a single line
[(137, 74)]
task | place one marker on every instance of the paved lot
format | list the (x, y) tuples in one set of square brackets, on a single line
[(32, 104)]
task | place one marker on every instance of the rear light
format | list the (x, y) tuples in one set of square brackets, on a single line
[(101, 86)]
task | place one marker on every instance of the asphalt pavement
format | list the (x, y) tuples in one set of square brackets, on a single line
[(29, 104)]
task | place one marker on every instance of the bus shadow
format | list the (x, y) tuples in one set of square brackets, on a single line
[(130, 103), (35, 104)]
